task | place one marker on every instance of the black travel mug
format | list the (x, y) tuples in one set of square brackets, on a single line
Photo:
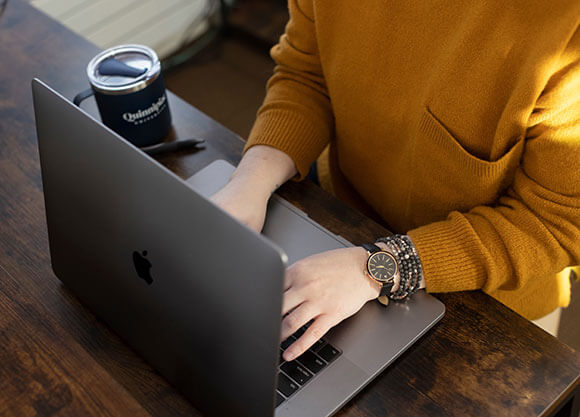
[(130, 94)]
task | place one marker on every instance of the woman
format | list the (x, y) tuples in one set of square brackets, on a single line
[(457, 124)]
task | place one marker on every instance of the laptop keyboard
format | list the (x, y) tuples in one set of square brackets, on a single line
[(292, 376)]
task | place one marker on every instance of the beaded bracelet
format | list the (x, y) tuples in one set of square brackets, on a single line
[(411, 271)]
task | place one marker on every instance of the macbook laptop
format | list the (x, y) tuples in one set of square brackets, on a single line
[(192, 290)]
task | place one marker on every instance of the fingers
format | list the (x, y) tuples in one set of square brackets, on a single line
[(296, 319), (291, 299), (327, 287), (293, 295), (317, 329)]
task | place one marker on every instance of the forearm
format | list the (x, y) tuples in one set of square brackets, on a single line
[(296, 116), (263, 169)]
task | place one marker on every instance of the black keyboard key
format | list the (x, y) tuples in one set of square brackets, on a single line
[(286, 343), (285, 385), (319, 343), (279, 399), (328, 353), (311, 361), (297, 372), (280, 358), (301, 330)]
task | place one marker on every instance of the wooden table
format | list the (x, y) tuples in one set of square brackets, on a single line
[(57, 358)]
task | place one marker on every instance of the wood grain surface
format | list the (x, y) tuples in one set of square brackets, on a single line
[(57, 358)]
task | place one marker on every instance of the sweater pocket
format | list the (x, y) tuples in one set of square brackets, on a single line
[(447, 177)]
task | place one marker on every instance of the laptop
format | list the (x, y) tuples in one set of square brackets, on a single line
[(192, 290)]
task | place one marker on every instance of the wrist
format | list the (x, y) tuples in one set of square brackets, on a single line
[(251, 186), (263, 169)]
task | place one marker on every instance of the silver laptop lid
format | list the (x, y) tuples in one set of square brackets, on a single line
[(196, 293)]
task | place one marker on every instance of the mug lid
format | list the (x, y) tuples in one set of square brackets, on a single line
[(123, 69)]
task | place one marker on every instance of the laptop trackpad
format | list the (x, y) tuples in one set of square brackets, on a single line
[(286, 225)]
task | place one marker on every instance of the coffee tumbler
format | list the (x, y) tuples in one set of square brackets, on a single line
[(128, 87)]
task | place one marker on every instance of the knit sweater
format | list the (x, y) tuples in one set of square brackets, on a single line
[(457, 122)]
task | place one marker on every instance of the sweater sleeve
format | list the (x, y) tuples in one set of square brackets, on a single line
[(296, 116), (533, 230)]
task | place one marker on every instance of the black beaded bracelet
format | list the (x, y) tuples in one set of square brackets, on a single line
[(410, 269)]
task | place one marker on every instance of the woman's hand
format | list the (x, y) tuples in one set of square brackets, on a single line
[(260, 172), (327, 287), (244, 202)]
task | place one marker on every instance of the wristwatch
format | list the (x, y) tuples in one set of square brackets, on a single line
[(382, 267)]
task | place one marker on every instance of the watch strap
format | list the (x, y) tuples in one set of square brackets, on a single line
[(371, 248), (386, 289)]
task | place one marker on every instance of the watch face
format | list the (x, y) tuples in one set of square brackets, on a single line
[(382, 266)]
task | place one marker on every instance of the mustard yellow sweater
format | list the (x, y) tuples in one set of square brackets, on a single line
[(457, 122)]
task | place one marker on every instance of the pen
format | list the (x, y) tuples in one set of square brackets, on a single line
[(172, 146)]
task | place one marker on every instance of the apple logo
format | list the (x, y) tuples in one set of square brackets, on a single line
[(142, 266)]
